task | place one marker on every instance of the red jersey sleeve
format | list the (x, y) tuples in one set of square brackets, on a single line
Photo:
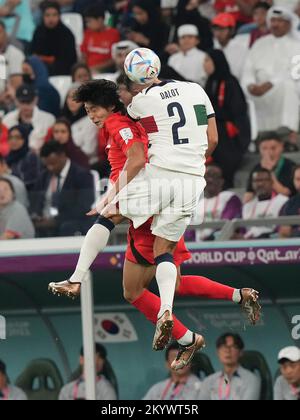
[(125, 132)]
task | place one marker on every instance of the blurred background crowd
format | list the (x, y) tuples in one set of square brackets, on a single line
[(244, 53)]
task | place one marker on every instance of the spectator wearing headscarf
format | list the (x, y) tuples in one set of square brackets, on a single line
[(23, 163), (53, 42), (14, 224), (230, 107), (62, 133), (36, 73), (147, 29)]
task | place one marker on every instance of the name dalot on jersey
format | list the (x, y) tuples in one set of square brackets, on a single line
[(168, 94)]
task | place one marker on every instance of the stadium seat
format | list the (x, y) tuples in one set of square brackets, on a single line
[(256, 363), (201, 365), (41, 380), (62, 84), (108, 372), (74, 22)]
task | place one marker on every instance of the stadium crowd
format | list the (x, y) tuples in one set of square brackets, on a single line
[(245, 53), (243, 376)]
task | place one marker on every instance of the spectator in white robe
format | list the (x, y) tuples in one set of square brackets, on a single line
[(268, 77)]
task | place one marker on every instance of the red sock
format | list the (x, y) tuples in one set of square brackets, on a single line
[(201, 286), (149, 305)]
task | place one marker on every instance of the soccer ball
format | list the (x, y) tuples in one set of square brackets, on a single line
[(142, 66)]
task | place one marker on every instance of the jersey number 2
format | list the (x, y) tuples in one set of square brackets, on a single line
[(171, 108)]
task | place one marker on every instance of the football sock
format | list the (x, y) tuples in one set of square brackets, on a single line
[(94, 242), (203, 287), (166, 275)]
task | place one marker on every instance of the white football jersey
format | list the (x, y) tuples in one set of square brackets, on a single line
[(175, 116)]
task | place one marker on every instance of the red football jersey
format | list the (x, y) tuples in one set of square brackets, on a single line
[(120, 132)]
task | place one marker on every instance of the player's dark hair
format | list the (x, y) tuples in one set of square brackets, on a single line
[(173, 346), (296, 168), (52, 147), (238, 342), (102, 93)]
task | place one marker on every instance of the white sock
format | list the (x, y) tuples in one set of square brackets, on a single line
[(95, 241), (237, 296), (166, 275), (187, 339)]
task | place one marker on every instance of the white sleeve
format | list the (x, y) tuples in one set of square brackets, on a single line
[(135, 109), (209, 108)]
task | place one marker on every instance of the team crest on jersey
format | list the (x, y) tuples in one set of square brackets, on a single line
[(126, 134)]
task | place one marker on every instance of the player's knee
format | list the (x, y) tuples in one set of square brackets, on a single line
[(164, 248), (130, 295)]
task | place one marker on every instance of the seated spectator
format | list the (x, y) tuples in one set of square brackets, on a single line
[(268, 76), (188, 62), (271, 147), (230, 106), (98, 40), (233, 382), (7, 391), (53, 42), (23, 163), (64, 193), (217, 204), (36, 122), (14, 57), (19, 186), (260, 11), (287, 386), (81, 73), (62, 133), (235, 48), (147, 28), (292, 208), (181, 384), (187, 12), (84, 132), (104, 390), (265, 204), (35, 73), (14, 219)]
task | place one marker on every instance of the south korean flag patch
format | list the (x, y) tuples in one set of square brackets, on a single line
[(126, 134)]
